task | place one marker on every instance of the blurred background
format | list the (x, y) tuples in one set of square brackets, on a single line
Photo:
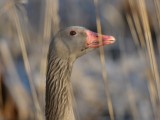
[(118, 82)]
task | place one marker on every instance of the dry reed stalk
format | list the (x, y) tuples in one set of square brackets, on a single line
[(153, 94), (150, 83), (136, 22), (46, 35), (130, 92), (157, 10), (7, 6), (47, 20), (14, 84), (102, 58), (55, 16), (133, 30), (149, 44), (14, 15), (50, 15), (150, 50)]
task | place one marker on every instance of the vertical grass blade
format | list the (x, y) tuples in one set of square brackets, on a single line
[(102, 58), (16, 20)]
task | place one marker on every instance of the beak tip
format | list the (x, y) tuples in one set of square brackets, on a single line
[(114, 39), (111, 39)]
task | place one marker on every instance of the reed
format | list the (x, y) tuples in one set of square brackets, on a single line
[(139, 22), (150, 51), (50, 27), (21, 38), (102, 59)]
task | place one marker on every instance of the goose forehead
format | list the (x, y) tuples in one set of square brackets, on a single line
[(75, 28)]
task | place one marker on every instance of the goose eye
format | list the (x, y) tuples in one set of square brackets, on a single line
[(72, 33)]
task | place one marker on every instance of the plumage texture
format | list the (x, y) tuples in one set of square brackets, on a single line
[(59, 90), (67, 45)]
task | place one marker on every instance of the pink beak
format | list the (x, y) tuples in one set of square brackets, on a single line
[(95, 40)]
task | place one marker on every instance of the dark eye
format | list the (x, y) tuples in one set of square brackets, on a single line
[(72, 33)]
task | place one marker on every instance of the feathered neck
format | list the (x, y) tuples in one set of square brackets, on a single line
[(58, 89)]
